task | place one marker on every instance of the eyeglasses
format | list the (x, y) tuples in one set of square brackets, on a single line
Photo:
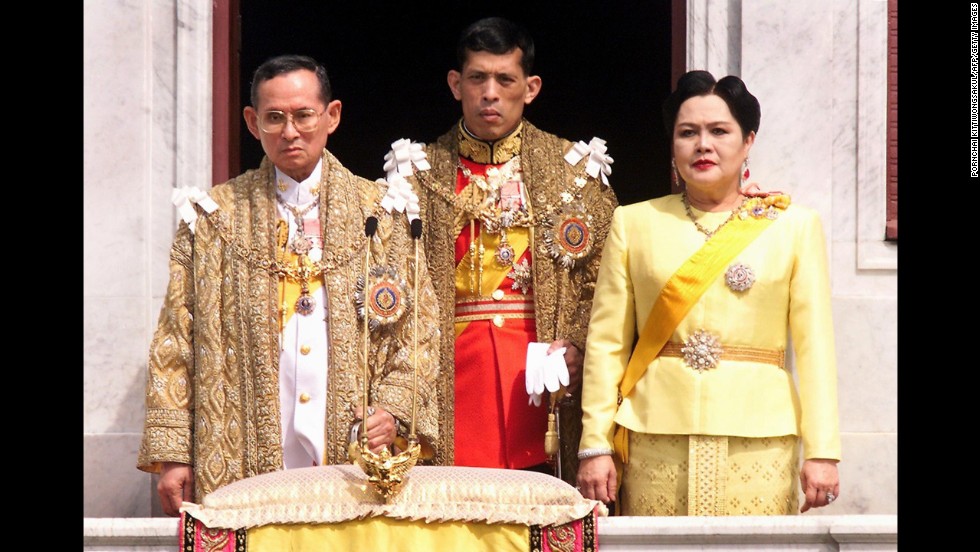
[(304, 120)]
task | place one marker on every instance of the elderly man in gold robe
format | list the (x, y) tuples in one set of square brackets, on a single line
[(288, 285)]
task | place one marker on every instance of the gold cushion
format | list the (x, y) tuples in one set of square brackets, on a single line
[(331, 494)]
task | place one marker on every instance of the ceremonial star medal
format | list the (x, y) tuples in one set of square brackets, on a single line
[(305, 304), (567, 236), (701, 351), (739, 277), (521, 274), (384, 298), (505, 253)]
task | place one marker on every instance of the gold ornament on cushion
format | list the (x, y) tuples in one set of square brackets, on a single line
[(567, 234), (386, 471), (385, 297)]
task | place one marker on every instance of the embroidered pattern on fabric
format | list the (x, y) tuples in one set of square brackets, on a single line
[(215, 269), (708, 475), (561, 538)]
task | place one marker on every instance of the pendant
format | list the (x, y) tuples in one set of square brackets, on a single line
[(305, 304), (505, 254), (301, 245)]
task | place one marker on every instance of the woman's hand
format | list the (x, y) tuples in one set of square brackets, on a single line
[(820, 483), (596, 478)]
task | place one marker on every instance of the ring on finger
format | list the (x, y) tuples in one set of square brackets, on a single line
[(831, 497)]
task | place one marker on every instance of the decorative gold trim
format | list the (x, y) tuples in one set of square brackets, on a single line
[(510, 307), (731, 352), (486, 152), (707, 475)]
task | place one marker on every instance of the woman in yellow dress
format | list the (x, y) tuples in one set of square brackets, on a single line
[(690, 402)]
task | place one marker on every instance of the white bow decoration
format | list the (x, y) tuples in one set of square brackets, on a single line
[(185, 198), (544, 371), (400, 196), (403, 154), (598, 160)]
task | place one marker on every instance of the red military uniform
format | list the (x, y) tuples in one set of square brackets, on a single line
[(494, 322), (513, 233)]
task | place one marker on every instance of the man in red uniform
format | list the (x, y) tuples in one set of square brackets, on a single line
[(514, 219)]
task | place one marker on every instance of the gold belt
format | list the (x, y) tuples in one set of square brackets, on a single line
[(490, 308), (727, 352)]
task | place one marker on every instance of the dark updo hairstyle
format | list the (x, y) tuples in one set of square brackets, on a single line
[(743, 105)]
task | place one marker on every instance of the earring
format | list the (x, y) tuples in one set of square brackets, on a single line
[(675, 178), (745, 173)]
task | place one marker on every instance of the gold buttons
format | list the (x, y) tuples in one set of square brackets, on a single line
[(305, 350), (498, 320), (304, 398), (497, 294)]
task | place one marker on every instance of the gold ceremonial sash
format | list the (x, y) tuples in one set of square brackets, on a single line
[(491, 275), (679, 294), (289, 288)]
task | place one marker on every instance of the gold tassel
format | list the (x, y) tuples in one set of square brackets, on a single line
[(551, 436)]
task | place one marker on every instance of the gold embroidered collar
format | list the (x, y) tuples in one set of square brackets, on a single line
[(495, 152)]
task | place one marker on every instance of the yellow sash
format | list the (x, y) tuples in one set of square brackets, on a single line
[(492, 273), (679, 294), (290, 289)]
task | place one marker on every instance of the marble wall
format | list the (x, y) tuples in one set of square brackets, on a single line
[(147, 98), (817, 67), (819, 70)]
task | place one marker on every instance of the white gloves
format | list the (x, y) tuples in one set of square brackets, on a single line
[(544, 371)]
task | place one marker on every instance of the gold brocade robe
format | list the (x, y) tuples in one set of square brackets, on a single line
[(212, 395), (562, 294)]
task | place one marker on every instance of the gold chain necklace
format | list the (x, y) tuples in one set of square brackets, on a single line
[(301, 245), (708, 233)]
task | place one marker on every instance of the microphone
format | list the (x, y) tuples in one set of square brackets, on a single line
[(370, 226), (416, 228)]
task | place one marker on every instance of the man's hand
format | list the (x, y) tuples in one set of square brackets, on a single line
[(381, 427), (573, 359), (176, 485), (596, 478)]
